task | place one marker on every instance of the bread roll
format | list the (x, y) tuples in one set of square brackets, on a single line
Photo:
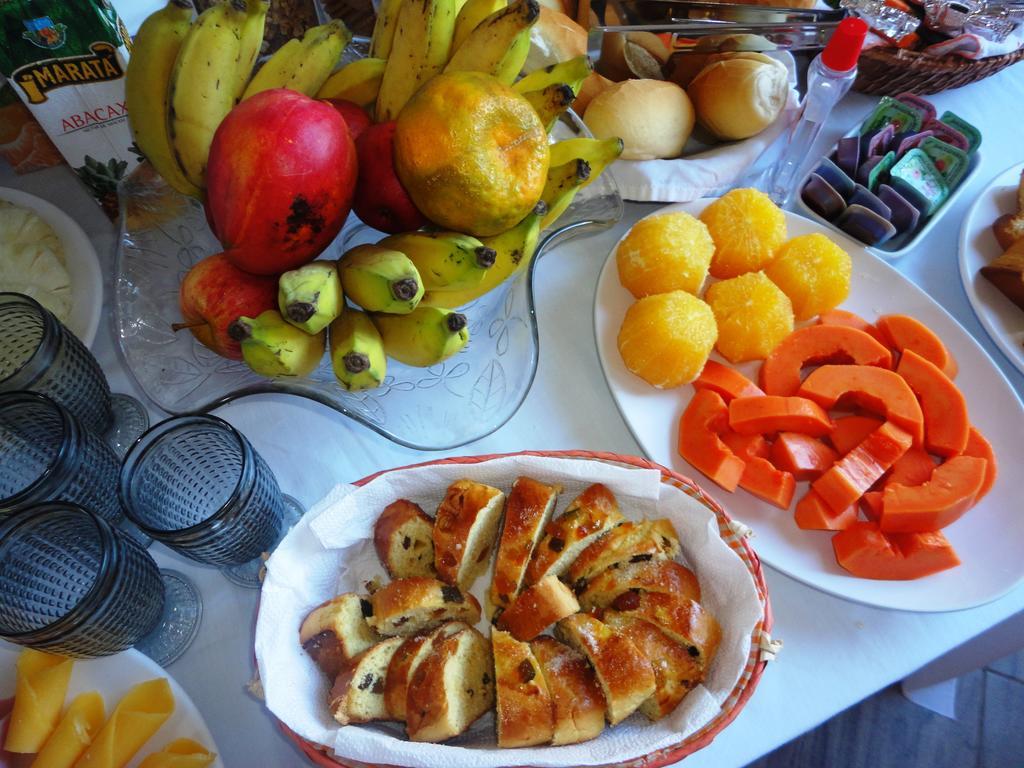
[(554, 38), (654, 118), (632, 54), (738, 95)]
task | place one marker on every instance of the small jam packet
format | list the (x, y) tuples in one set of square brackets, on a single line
[(948, 134), (848, 155), (865, 225), (904, 214), (874, 170), (889, 110), (879, 143), (948, 160), (957, 123), (865, 197), (912, 140), (923, 106), (915, 176), (836, 177), (821, 198)]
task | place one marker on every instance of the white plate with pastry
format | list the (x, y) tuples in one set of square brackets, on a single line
[(56, 264), (988, 539), (1002, 319), (111, 678)]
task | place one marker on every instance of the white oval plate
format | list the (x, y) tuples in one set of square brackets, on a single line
[(80, 259), (112, 676), (988, 539), (1002, 319)]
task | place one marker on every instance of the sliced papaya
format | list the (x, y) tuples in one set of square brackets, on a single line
[(871, 505), (814, 345), (903, 332), (802, 456), (850, 431), (876, 389), (944, 406), (746, 446), (813, 514), (772, 413), (848, 479), (865, 551), (912, 468), (760, 476), (726, 381), (851, 320), (705, 416), (979, 447), (939, 502)]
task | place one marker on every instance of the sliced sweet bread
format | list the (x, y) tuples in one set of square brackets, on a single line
[(527, 511), (588, 516), (336, 631), (650, 576), (465, 529), (410, 654), (525, 716), (357, 695), (408, 606), (537, 608), (575, 693), (403, 538), (676, 672), (682, 619), (624, 673), (631, 542), (451, 688)]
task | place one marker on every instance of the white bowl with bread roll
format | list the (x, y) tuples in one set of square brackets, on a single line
[(584, 609)]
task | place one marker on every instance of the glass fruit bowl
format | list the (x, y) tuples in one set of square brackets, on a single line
[(468, 396)]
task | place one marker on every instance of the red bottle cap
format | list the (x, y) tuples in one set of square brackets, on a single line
[(844, 46)]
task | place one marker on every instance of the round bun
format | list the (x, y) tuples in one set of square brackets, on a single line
[(738, 95), (654, 118), (593, 85), (632, 54), (554, 38)]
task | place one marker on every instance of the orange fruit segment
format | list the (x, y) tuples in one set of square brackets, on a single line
[(669, 252), (753, 316), (665, 339), (814, 272), (747, 228)]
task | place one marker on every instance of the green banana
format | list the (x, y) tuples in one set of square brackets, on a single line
[(273, 347), (571, 71), (197, 103), (424, 337), (551, 102), (514, 249), (357, 351), (445, 260), (469, 18), (310, 297), (599, 153), (487, 48), (358, 82), (146, 89), (384, 29), (251, 42), (380, 279), (564, 181), (303, 65), (420, 49)]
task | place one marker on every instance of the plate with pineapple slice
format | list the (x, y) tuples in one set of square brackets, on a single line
[(987, 539)]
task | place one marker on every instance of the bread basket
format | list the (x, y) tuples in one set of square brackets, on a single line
[(890, 71), (734, 536)]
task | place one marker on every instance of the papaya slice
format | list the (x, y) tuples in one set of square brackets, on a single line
[(848, 479), (850, 431), (746, 446), (851, 320), (944, 406), (726, 381), (813, 514), (761, 478), (980, 448), (802, 456), (699, 443), (865, 551), (939, 502), (903, 332), (814, 345), (772, 413), (876, 389), (871, 505), (912, 468)]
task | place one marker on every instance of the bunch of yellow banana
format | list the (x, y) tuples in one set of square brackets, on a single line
[(185, 76)]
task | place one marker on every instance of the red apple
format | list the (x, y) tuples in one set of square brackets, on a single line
[(214, 294), (355, 117), (381, 201)]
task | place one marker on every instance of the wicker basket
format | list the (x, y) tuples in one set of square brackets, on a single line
[(748, 681), (891, 71)]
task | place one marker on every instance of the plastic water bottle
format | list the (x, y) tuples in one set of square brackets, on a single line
[(829, 77)]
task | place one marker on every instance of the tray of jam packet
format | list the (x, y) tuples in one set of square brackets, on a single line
[(888, 182)]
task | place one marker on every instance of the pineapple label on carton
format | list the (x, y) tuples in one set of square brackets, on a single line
[(66, 60)]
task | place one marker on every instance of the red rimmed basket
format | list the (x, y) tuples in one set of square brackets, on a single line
[(756, 661)]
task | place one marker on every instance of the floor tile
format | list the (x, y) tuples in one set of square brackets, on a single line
[(1002, 738), (1012, 665)]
